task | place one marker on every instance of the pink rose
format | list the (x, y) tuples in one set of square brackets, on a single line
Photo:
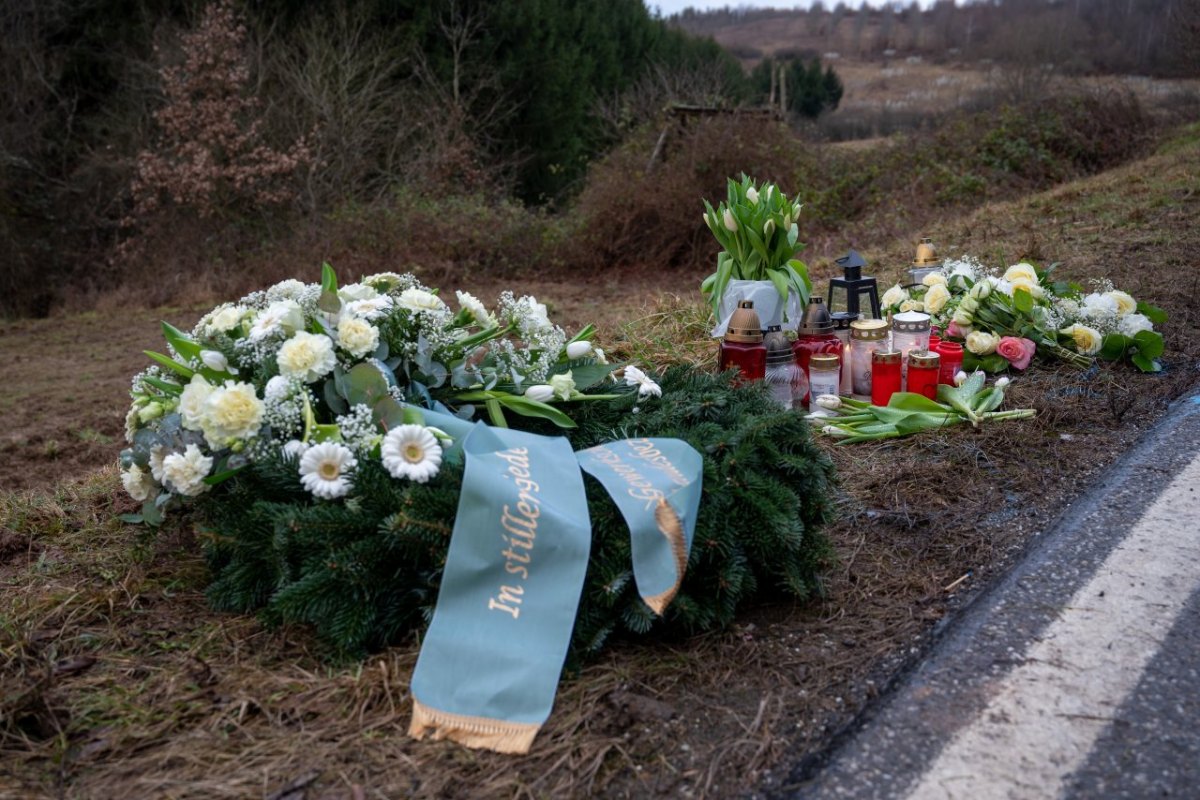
[(955, 331), (1018, 352)]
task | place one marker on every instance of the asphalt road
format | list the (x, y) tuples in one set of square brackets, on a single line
[(1077, 676)]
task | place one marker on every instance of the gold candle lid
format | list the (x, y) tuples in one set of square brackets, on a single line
[(924, 358), (885, 357), (824, 362), (926, 255), (869, 329), (744, 325)]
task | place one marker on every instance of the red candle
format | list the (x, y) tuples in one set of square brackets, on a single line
[(885, 376), (923, 371), (743, 345), (934, 340), (951, 357)]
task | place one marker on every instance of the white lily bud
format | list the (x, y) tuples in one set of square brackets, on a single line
[(960, 378), (216, 361), (752, 195), (1003, 381), (730, 222), (539, 393), (830, 401), (578, 349)]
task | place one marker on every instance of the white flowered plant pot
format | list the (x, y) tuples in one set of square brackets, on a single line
[(772, 309)]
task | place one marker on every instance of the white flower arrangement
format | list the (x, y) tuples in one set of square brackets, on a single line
[(323, 380)]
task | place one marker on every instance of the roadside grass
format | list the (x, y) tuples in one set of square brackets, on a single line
[(117, 679)]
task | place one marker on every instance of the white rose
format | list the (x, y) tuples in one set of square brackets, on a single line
[(191, 402), (969, 304), (307, 356), (979, 291), (138, 483), (1021, 272), (186, 471), (563, 385), (936, 298), (420, 300), (934, 279), (894, 296), (912, 305), (1133, 324), (232, 411), (1125, 303), (1087, 340), (1033, 287), (356, 291), (357, 337), (539, 393), (578, 350), (982, 343)]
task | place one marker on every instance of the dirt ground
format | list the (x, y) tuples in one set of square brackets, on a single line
[(115, 677)]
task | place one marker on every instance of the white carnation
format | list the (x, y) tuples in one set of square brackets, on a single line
[(283, 316), (420, 300), (185, 472), (278, 388), (231, 412), (477, 309), (291, 289), (223, 319), (191, 402), (357, 337), (138, 482), (357, 291), (1133, 324), (307, 357), (1103, 303)]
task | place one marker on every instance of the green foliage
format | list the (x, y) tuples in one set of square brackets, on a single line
[(810, 90), (367, 571)]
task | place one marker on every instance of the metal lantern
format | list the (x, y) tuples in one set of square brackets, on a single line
[(853, 293), (925, 262)]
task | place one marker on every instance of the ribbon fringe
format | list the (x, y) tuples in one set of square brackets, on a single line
[(481, 733)]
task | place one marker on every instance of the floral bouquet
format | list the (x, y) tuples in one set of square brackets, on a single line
[(757, 229), (325, 377), (1005, 320)]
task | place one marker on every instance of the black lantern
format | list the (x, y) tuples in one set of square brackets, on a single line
[(852, 293)]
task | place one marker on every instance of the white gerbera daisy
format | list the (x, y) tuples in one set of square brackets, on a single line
[(371, 308), (324, 468), (411, 451)]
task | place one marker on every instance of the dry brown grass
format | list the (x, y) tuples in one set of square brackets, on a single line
[(117, 680)]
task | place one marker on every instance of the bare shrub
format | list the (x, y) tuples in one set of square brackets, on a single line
[(629, 216), (211, 156)]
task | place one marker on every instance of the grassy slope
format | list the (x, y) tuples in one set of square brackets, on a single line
[(115, 678)]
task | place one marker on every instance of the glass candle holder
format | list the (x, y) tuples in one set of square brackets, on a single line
[(784, 376), (841, 329), (885, 376), (866, 336), (742, 346), (815, 336), (825, 374), (951, 356), (923, 370), (910, 332)]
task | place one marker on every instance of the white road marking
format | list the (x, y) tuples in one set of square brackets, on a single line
[(1047, 713)]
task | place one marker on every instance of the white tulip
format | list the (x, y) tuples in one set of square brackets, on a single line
[(578, 349), (539, 393), (1003, 382), (216, 361), (830, 401), (960, 378), (769, 228), (752, 195), (730, 222)]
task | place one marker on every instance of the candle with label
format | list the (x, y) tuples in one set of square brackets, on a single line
[(885, 376)]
